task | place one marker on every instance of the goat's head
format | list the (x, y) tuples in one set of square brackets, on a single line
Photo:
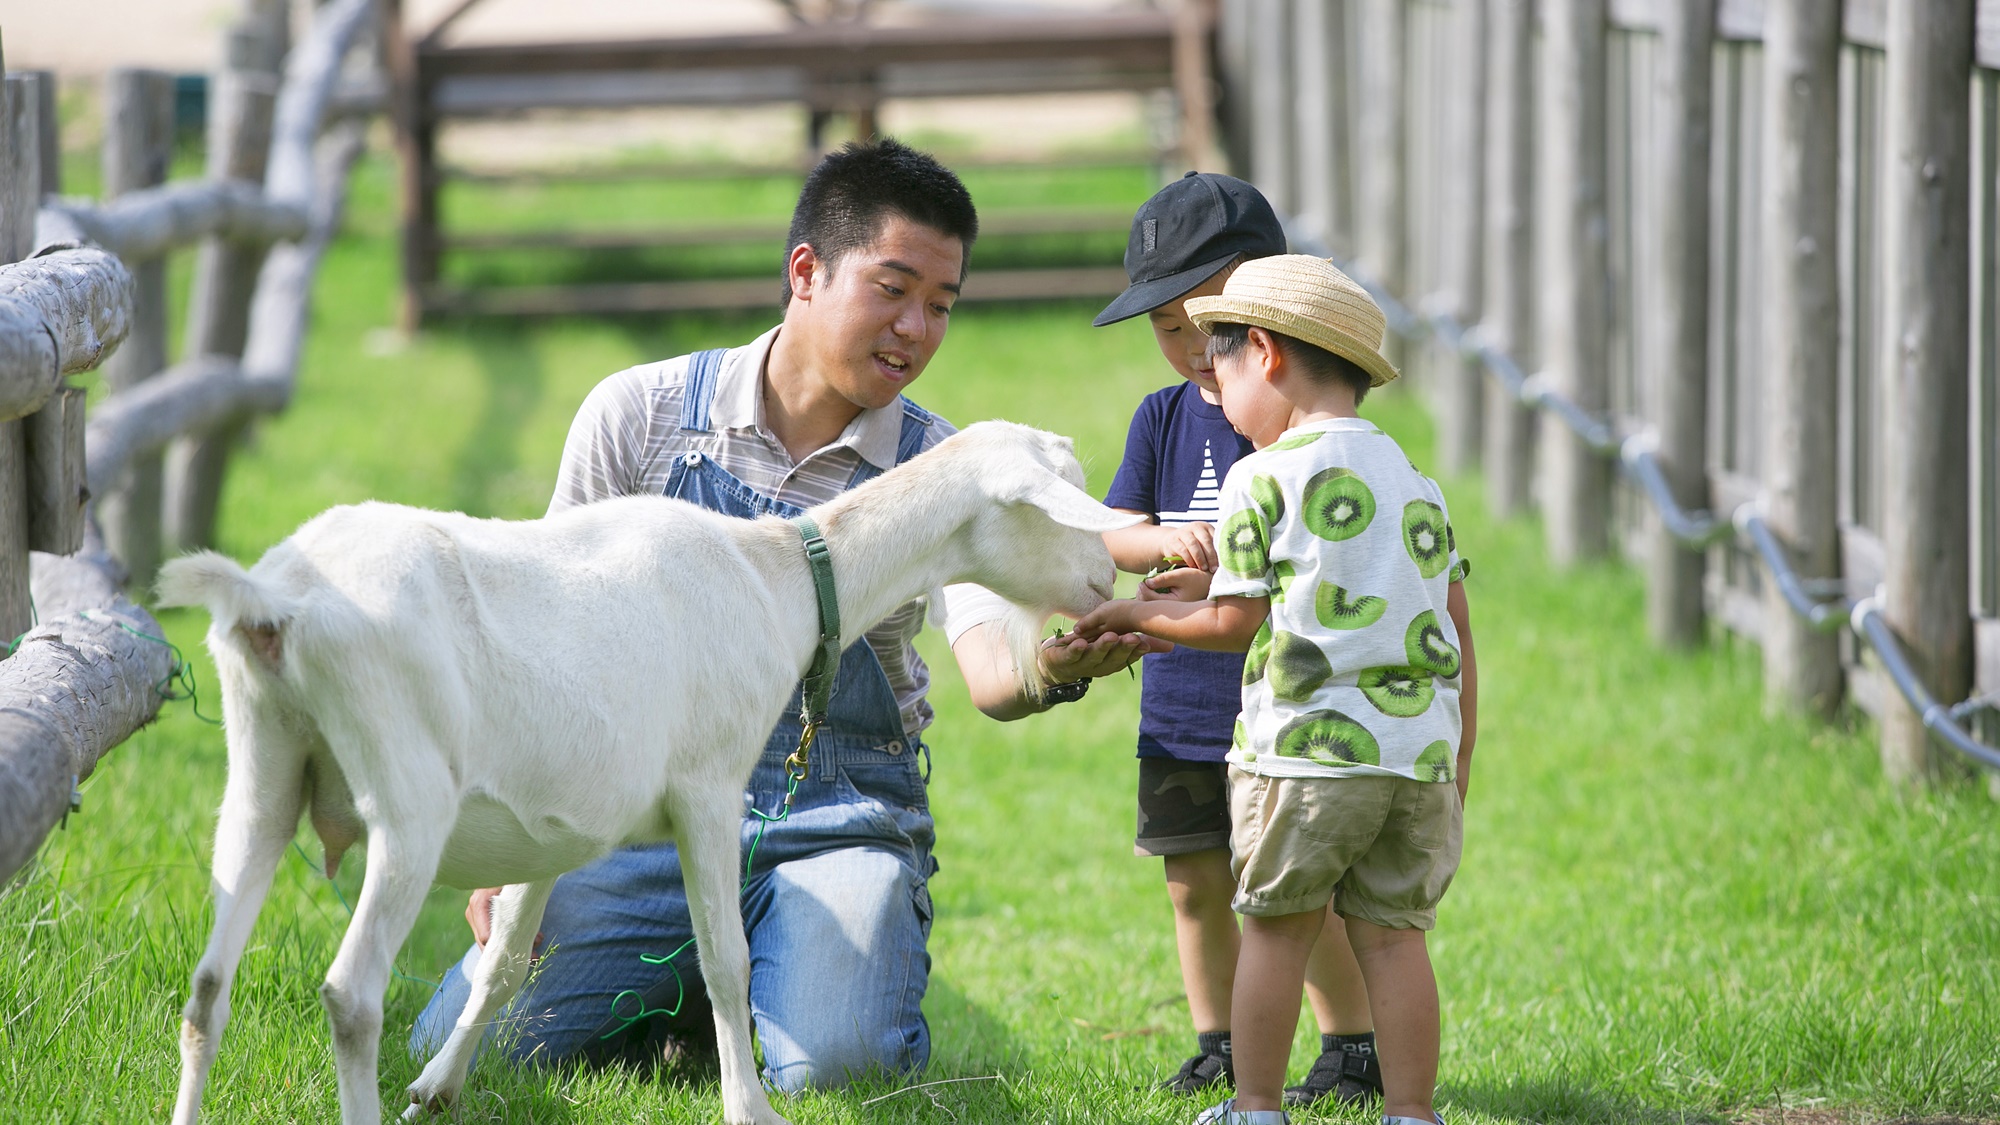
[(1040, 546)]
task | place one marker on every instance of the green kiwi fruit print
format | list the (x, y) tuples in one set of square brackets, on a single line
[(1336, 610), (1297, 667), (1329, 738), (1246, 545), (1425, 536), (1398, 690), (1427, 648), (1338, 504)]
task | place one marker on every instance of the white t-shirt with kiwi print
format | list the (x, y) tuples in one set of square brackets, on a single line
[(1356, 671)]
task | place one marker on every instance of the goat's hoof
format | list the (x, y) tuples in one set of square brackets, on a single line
[(422, 1104)]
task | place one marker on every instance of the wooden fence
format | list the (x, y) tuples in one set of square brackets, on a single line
[(87, 666), (1748, 247)]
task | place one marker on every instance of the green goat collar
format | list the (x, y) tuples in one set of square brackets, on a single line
[(818, 686)]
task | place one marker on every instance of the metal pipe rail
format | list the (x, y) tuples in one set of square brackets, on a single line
[(1698, 529)]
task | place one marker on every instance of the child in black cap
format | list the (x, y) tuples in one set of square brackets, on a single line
[(1185, 242)]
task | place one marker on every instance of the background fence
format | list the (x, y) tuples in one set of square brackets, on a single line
[(86, 666), (1748, 249)]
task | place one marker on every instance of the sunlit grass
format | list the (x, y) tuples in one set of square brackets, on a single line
[(1672, 908)]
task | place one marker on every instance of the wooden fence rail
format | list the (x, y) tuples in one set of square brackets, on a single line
[(1743, 250), (97, 667)]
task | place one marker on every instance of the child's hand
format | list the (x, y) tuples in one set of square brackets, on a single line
[(1185, 584), (1111, 617), (1192, 543)]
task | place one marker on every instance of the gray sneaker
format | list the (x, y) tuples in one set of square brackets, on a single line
[(1226, 1113)]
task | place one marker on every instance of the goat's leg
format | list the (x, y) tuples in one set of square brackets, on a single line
[(261, 803), (403, 855), (517, 913), (710, 853)]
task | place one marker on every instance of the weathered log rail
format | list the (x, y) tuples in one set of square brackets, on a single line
[(96, 666)]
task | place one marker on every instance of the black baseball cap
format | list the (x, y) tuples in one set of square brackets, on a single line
[(1187, 232)]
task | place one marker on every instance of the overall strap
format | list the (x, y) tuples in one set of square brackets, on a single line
[(699, 389), (916, 423), (909, 443)]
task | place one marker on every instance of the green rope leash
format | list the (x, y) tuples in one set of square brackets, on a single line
[(765, 820), (178, 684)]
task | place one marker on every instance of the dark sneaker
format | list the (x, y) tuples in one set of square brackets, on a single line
[(1343, 1076), (1202, 1072)]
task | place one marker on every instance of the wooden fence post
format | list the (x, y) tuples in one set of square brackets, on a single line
[(1273, 141), (1194, 87), (20, 189), (138, 146), (1381, 234), (1925, 407), (1678, 366), (1576, 496), (1232, 82), (239, 139), (46, 105), (416, 148), (1319, 35), (1508, 322), (1801, 351), (1462, 394)]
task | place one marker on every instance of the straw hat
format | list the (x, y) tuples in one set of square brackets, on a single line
[(1308, 299)]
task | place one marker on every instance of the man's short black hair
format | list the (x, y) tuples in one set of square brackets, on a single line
[(1319, 365), (850, 193)]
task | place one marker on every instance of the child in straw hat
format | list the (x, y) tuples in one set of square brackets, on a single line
[(1186, 241), (1338, 573)]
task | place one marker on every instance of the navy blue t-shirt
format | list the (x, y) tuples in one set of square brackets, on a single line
[(1176, 454)]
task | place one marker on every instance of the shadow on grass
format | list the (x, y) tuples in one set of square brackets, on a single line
[(1563, 1101), (515, 377)]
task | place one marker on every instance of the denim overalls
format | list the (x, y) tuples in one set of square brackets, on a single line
[(836, 908)]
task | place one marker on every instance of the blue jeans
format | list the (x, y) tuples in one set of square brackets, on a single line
[(837, 909)]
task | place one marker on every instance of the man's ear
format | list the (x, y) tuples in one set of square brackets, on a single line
[(1067, 504), (800, 265)]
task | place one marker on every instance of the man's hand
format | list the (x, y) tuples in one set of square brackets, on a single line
[(1073, 657), (479, 915), (1192, 543), (1185, 584)]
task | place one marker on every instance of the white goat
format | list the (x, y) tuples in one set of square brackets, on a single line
[(498, 703)]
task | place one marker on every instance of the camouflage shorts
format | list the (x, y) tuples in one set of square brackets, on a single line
[(1183, 807)]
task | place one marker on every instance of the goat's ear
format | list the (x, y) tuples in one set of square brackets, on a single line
[(1069, 505)]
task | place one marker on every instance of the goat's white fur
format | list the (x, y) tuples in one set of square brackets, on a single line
[(499, 702)]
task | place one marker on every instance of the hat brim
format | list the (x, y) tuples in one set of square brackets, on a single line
[(1145, 296), (1225, 309)]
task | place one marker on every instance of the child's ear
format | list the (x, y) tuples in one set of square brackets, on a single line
[(1267, 357)]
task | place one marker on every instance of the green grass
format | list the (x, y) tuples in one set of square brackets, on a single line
[(1672, 908)]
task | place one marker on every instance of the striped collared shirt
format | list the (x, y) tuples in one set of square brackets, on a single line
[(627, 436)]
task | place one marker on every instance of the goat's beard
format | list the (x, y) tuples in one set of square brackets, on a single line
[(1024, 642), (1023, 629)]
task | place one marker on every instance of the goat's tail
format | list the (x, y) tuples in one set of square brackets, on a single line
[(233, 596)]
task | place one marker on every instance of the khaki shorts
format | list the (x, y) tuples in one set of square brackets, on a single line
[(1382, 849)]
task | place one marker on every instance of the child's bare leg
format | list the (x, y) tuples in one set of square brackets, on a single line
[(1269, 974), (1201, 887), (1402, 993), (1333, 983)]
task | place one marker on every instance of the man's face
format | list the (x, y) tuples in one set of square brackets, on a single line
[(1252, 405), (1184, 345), (873, 322)]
